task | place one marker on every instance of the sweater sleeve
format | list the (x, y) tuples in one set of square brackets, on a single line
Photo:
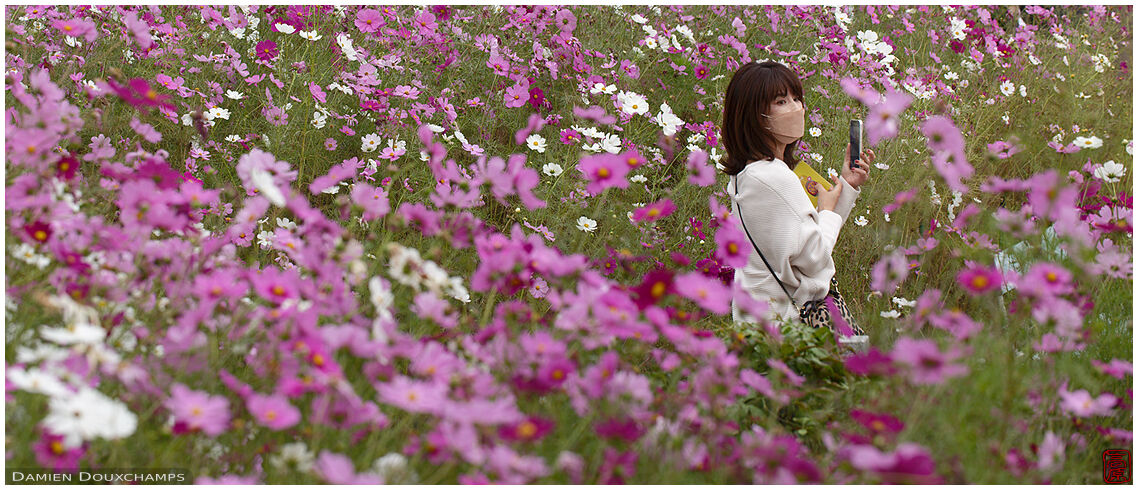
[(846, 200)]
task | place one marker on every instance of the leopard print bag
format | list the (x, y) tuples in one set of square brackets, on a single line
[(816, 314)]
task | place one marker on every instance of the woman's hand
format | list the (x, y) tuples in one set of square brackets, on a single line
[(828, 199), (857, 176)]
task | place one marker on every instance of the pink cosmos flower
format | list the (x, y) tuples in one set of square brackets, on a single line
[(1046, 279), (1082, 404), (338, 469), (197, 410), (517, 95), (927, 364), (702, 174), (603, 171), (372, 199), (533, 125), (980, 279), (413, 396), (147, 131), (1116, 368), (733, 248), (274, 411), (889, 272), (138, 93), (708, 292), (77, 27), (655, 211), (140, 30), (369, 20), (594, 113), (1050, 451), (947, 145), (330, 144), (884, 118), (791, 376)]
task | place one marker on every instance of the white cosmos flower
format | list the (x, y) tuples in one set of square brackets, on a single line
[(36, 380), (904, 303), (88, 415), (861, 221), (536, 142), (815, 132), (890, 314), (263, 182), (867, 37), (1111, 171), (393, 469), (75, 333), (311, 35), (1085, 142), (650, 43), (639, 19), (638, 179), (611, 143), (668, 120), (284, 28), (632, 103), (1007, 88), (218, 112), (551, 169), (1023, 91), (235, 95), (586, 224), (371, 142), (294, 455)]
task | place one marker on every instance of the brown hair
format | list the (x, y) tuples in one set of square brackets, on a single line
[(752, 89)]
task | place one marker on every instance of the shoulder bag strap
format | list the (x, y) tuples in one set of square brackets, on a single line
[(739, 209)]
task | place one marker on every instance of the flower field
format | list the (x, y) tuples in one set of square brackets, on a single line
[(485, 244)]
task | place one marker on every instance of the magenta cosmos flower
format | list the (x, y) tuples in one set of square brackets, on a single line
[(267, 50), (197, 410), (980, 279)]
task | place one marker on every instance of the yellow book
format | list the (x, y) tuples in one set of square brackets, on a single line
[(811, 179)]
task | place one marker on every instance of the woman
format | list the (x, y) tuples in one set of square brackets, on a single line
[(763, 119)]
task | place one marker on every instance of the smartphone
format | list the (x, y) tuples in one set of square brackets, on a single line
[(855, 142)]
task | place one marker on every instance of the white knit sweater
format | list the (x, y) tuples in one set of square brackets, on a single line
[(796, 239)]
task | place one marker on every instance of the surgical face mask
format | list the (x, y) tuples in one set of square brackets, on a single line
[(788, 127)]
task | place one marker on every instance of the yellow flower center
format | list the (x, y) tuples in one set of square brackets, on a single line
[(558, 374), (603, 173), (56, 447), (1051, 277), (67, 28), (980, 282), (41, 235), (658, 289), (878, 425), (318, 360), (279, 291), (654, 212), (412, 396), (271, 415), (633, 161), (151, 94), (527, 430), (733, 248), (197, 411)]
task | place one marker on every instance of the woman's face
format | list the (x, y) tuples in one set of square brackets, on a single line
[(785, 103)]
